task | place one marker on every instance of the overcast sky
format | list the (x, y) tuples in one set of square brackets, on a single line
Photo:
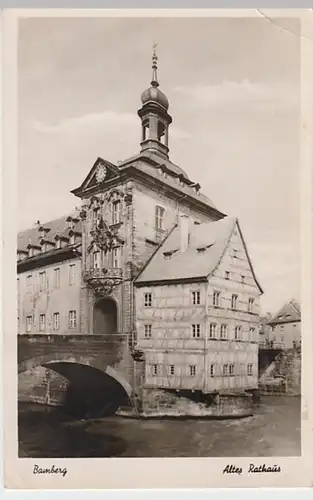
[(233, 88)]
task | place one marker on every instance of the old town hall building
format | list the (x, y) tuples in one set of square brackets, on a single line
[(150, 256)]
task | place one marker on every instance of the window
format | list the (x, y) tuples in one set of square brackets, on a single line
[(212, 370), (225, 370), (172, 370), (56, 321), (148, 331), (72, 239), (282, 327), (29, 283), (216, 299), (159, 217), (227, 275), (192, 370), (196, 298), (231, 370), (224, 332), (148, 300), (238, 332), (234, 300), (252, 334), (235, 253), (96, 260), (95, 212), (242, 278), (42, 281), (212, 330), (116, 258), (72, 319), (250, 305), (42, 322), (58, 243), (56, 280), (249, 369), (154, 369), (116, 213), (72, 274), (29, 323), (195, 331)]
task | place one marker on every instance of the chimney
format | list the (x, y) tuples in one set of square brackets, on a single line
[(184, 232)]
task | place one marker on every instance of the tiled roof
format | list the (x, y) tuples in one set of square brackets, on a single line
[(140, 164), (289, 313), (193, 263), (57, 226), (157, 159)]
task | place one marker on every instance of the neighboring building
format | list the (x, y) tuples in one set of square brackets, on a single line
[(154, 258), (285, 327), (49, 277)]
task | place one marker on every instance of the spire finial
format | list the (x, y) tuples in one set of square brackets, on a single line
[(154, 81)]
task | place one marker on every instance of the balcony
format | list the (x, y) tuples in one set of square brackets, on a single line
[(103, 280)]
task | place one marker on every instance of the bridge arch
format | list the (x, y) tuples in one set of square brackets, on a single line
[(52, 359)]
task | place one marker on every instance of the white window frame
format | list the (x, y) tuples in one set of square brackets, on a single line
[(196, 297), (192, 370), (238, 332), (116, 258), (224, 331), (159, 217), (216, 298), (42, 281), (148, 299), (42, 322), (29, 323), (250, 369), (148, 331), (72, 275), (213, 331), (57, 277), (196, 330), (56, 321), (250, 304), (225, 370), (116, 211), (72, 319), (234, 301)]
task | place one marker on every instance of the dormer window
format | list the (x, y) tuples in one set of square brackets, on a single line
[(72, 239), (58, 243)]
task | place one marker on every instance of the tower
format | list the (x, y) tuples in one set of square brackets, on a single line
[(154, 116)]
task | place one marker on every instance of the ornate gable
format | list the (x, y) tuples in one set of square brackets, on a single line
[(101, 173)]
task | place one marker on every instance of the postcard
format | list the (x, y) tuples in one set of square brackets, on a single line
[(157, 258)]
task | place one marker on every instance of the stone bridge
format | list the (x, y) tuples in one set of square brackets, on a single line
[(101, 365), (267, 354)]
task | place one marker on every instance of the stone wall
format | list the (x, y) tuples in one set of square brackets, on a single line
[(172, 404), (283, 375)]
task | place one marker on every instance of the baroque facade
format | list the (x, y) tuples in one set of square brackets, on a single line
[(150, 256)]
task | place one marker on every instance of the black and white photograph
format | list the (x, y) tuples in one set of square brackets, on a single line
[(158, 254)]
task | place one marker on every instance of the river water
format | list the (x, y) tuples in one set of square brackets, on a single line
[(274, 430)]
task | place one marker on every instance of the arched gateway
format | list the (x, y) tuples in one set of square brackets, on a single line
[(105, 316)]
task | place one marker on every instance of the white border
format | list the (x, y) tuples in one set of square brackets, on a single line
[(149, 472)]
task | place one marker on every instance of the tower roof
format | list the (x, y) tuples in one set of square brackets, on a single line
[(154, 94)]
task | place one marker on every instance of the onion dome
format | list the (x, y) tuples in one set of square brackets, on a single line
[(154, 94)]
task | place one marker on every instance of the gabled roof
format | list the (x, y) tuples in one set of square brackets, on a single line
[(57, 227), (289, 313), (90, 180), (207, 244)]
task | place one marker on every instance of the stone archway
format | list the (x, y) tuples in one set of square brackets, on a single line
[(105, 316)]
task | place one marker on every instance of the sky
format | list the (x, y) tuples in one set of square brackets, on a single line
[(233, 86)]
